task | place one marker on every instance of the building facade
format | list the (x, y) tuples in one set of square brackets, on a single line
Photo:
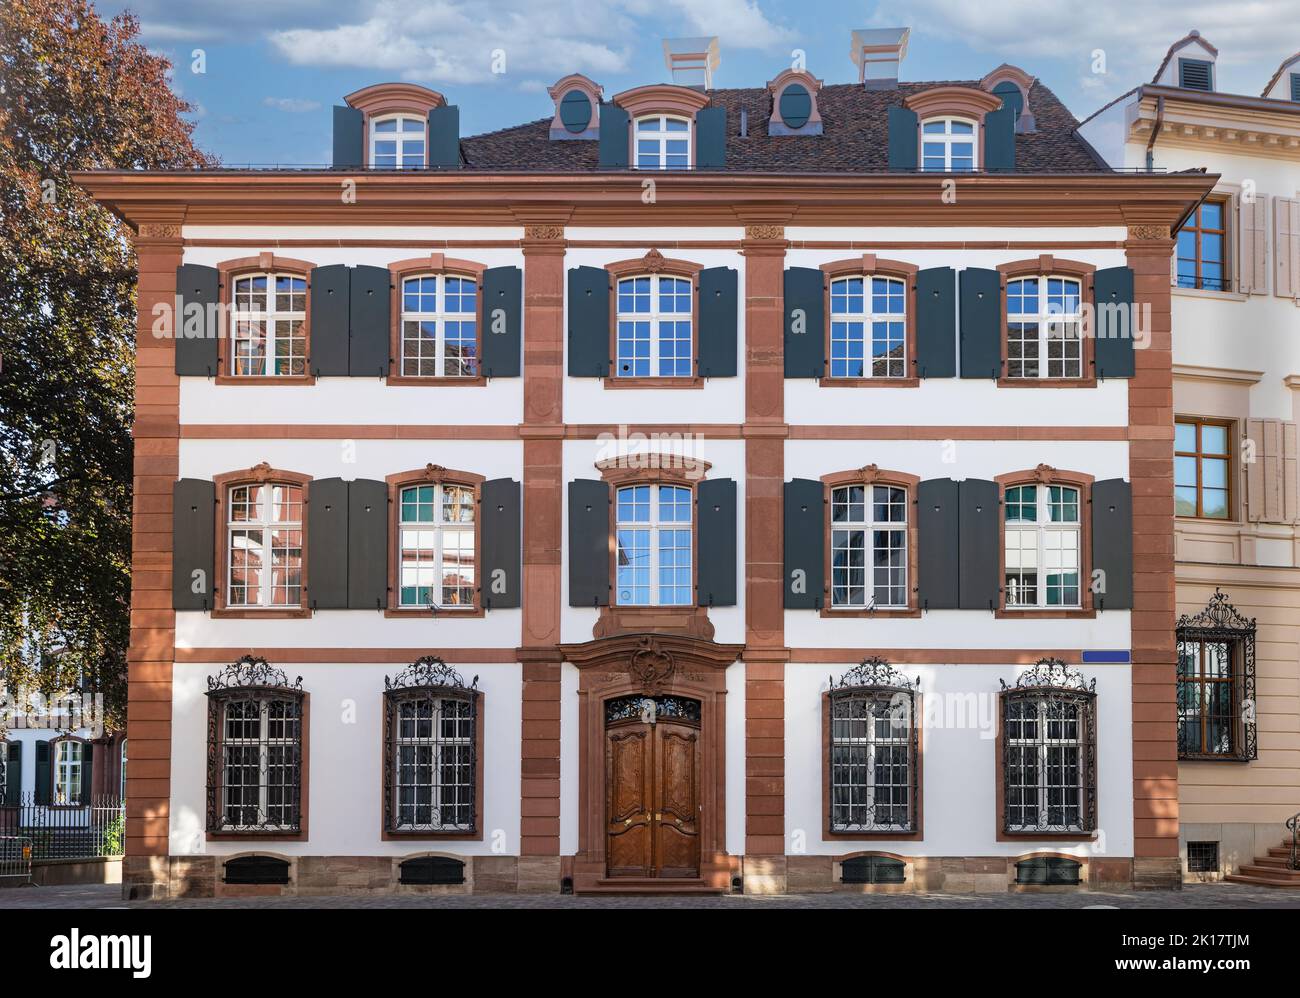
[(1235, 286), (695, 490)]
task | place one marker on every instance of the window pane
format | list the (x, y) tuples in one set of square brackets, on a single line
[(1214, 439), (1185, 437)]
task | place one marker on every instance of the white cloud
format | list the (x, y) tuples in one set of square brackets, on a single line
[(292, 105)]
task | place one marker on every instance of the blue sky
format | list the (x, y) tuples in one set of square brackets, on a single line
[(274, 67)]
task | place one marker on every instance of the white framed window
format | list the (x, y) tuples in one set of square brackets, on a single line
[(1047, 764), (948, 145), (269, 335), (433, 763), (1044, 323), (436, 546), (261, 763), (264, 535), (68, 756), (439, 326), (653, 527), (397, 142), (869, 546), (868, 327), (1043, 541), (663, 142), (654, 327)]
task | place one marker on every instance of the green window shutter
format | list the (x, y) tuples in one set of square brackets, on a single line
[(14, 773), (796, 105), (1011, 97), (1112, 544), (1000, 140), (711, 138), (805, 323), (368, 305), (936, 323), (979, 540), (327, 544), (614, 128), (1196, 74), (503, 295), (367, 545), (589, 542), (575, 112), (716, 523), (904, 130), (718, 318), (329, 320), (349, 144), (194, 542), (1113, 295), (938, 561), (44, 775), (444, 137), (981, 323), (87, 773), (502, 578), (196, 326), (588, 322), (805, 541)]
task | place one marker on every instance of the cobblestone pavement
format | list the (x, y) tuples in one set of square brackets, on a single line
[(1203, 896)]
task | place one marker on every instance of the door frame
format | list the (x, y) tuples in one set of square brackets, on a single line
[(653, 665)]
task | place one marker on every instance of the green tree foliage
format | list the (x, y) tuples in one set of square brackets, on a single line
[(76, 93)]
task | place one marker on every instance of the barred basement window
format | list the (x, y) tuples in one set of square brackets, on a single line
[(1049, 752), (1050, 870), (1202, 857), (430, 750), (255, 750), (1216, 683), (872, 769)]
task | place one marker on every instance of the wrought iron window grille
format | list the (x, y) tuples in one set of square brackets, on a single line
[(1049, 751), (1216, 683), (652, 709), (431, 719), (255, 722), (873, 750)]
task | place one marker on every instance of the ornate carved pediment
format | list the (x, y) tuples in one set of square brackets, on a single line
[(654, 261), (653, 662), (1044, 473)]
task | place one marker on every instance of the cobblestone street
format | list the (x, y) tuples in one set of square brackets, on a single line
[(1201, 896)]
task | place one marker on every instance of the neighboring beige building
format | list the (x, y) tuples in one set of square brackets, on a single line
[(1236, 331)]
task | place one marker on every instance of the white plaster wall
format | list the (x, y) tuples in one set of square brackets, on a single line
[(727, 458), (958, 784), (345, 766)]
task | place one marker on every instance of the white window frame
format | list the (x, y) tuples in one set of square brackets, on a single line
[(402, 138), (947, 138), (661, 136), (468, 367), (268, 525), (653, 528), (654, 320), (264, 742), (1054, 324), (435, 562), (438, 743), (270, 318), (869, 527), (867, 319), (69, 770), (1049, 536), (1044, 745)]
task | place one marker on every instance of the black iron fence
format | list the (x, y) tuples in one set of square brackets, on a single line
[(66, 832)]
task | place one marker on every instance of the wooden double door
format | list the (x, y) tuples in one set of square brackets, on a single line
[(652, 783)]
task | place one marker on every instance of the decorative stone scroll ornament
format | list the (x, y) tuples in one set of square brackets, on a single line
[(1044, 473), (1148, 232), (653, 261), (764, 231), (1052, 673), (153, 230), (250, 672), (650, 664), (550, 232), (428, 670)]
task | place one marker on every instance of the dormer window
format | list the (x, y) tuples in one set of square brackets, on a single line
[(1196, 74), (948, 145), (397, 142), (663, 142)]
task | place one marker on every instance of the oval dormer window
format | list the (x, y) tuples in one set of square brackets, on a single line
[(796, 105), (575, 111)]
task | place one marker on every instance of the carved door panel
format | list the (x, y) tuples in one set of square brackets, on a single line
[(629, 763), (677, 803)]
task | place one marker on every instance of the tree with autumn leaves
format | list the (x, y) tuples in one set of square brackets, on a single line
[(76, 93)]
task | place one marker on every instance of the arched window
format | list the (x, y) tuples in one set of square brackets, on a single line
[(949, 145), (268, 327), (439, 326), (264, 544), (1048, 752), (1216, 683), (70, 771), (1044, 545), (397, 142), (868, 327), (654, 553), (1044, 323), (663, 142), (654, 327), (436, 545), (869, 546), (256, 761)]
